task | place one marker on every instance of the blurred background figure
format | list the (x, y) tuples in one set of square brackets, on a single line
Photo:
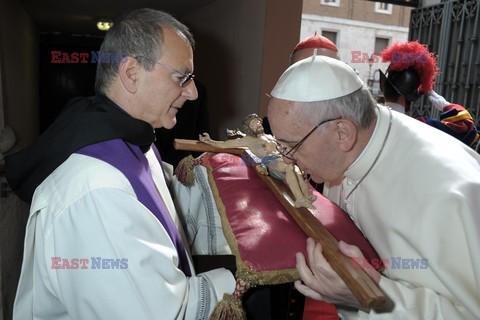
[(305, 47), (411, 75)]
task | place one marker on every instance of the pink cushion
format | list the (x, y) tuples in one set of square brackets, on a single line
[(266, 235)]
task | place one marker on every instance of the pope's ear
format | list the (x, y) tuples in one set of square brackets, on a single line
[(128, 72), (346, 134)]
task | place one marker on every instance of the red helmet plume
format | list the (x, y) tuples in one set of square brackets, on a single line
[(414, 55)]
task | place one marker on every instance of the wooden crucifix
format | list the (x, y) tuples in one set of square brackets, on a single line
[(361, 285)]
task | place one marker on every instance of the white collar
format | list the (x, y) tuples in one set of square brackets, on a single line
[(360, 168), (395, 107)]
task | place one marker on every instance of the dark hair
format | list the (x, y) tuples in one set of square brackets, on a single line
[(401, 84), (138, 34), (389, 92), (246, 124), (392, 95)]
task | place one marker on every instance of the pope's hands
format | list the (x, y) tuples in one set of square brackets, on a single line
[(321, 282), (437, 100)]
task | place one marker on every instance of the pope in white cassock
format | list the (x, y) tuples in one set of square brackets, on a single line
[(410, 188)]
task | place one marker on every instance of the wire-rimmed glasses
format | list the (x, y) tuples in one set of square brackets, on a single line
[(288, 152), (183, 81)]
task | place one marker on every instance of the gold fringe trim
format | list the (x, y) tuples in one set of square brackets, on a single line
[(230, 308)]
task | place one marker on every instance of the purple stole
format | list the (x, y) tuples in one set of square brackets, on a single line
[(130, 160)]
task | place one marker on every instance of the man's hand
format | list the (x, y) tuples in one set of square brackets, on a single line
[(321, 282), (437, 100)]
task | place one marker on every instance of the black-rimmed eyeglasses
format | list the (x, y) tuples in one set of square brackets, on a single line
[(183, 81), (288, 153)]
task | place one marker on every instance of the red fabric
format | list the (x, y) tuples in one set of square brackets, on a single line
[(315, 41), (319, 310), (267, 236), (455, 106)]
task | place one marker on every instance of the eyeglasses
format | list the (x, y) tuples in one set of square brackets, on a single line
[(186, 77), (183, 81), (288, 153)]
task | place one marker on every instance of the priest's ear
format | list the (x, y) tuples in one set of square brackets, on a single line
[(128, 73), (347, 133)]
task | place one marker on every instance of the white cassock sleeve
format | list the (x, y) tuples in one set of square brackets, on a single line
[(110, 223)]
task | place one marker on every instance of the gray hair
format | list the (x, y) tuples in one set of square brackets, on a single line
[(139, 34), (358, 106)]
